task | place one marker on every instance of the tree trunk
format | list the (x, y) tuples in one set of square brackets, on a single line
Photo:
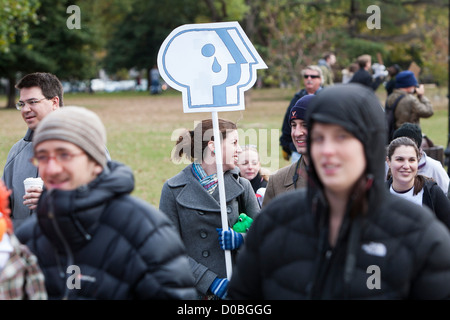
[(11, 104), (148, 79)]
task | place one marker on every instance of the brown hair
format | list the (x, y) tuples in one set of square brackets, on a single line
[(362, 60), (419, 180), (192, 143), (47, 82)]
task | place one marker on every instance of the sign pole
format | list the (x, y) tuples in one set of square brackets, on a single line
[(212, 64), (223, 204)]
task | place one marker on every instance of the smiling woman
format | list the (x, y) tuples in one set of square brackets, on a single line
[(403, 161), (191, 199)]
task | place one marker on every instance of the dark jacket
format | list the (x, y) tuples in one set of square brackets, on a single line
[(390, 242), (117, 246), (362, 76), (258, 182), (17, 168), (435, 199)]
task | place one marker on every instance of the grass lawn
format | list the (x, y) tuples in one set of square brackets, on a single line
[(142, 128)]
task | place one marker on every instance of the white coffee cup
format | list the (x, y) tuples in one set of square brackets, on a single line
[(32, 182)]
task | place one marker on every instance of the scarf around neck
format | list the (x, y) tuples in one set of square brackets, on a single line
[(208, 182)]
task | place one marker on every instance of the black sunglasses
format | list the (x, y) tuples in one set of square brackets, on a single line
[(312, 76)]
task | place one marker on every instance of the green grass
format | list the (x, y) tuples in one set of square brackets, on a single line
[(140, 128)]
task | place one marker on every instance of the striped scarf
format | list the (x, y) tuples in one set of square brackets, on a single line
[(208, 182)]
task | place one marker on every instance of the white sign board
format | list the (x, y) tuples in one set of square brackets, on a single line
[(212, 64)]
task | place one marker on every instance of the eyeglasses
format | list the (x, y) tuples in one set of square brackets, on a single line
[(31, 102), (60, 157), (312, 76)]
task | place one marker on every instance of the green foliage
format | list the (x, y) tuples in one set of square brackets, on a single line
[(53, 47), (296, 33), (16, 18), (288, 34), (136, 39), (350, 48)]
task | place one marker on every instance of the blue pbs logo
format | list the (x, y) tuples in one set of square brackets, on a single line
[(212, 65)]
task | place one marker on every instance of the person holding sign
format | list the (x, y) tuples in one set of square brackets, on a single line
[(191, 200)]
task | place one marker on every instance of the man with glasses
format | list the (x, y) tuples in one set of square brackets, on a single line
[(92, 238), (312, 80), (40, 94)]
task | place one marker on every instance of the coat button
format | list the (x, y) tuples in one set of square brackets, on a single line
[(229, 209), (200, 213), (203, 234), (205, 253)]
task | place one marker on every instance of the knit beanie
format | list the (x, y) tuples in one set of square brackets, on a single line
[(409, 130), (298, 111), (405, 79), (77, 125)]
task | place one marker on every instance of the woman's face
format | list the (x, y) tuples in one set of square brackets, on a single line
[(404, 165), (230, 150), (249, 164), (338, 157)]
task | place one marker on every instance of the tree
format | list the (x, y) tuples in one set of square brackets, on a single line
[(137, 39), (53, 47), (16, 17), (295, 33)]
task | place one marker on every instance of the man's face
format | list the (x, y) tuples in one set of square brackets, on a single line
[(311, 80), (332, 60), (299, 133), (36, 106), (63, 165)]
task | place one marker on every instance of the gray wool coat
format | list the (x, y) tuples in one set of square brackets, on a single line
[(196, 215)]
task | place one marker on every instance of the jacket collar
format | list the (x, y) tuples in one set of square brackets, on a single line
[(70, 217), (194, 196), (29, 135)]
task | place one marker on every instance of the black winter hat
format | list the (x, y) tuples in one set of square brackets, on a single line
[(409, 130)]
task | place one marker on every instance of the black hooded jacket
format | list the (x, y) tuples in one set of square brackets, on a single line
[(393, 250), (117, 246)]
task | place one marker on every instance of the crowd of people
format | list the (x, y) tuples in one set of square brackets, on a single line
[(311, 230)]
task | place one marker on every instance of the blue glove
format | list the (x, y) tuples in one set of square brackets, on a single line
[(219, 287), (229, 239)]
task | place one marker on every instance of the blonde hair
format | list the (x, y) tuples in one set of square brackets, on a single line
[(263, 172)]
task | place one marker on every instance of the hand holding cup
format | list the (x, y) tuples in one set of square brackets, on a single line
[(33, 189)]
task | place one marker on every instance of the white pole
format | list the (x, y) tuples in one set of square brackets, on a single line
[(223, 204)]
